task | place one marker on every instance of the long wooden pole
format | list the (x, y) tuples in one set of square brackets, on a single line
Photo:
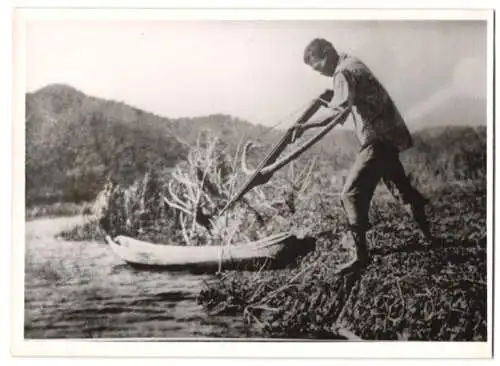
[(335, 120), (273, 155), (257, 177)]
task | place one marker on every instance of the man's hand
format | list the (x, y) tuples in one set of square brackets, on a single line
[(297, 131), (327, 96)]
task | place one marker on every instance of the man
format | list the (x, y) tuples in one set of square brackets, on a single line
[(382, 134)]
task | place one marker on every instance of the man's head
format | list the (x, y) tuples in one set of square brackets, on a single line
[(321, 56)]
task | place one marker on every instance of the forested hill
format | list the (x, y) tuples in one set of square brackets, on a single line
[(74, 142)]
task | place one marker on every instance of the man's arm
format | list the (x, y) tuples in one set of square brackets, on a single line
[(342, 99), (330, 123)]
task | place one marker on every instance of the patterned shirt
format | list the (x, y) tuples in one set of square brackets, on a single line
[(374, 114)]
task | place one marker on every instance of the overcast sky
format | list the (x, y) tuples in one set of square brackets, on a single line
[(252, 69)]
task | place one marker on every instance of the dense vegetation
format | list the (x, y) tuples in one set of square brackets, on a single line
[(156, 179), (412, 290)]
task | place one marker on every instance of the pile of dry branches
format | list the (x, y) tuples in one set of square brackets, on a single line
[(181, 206)]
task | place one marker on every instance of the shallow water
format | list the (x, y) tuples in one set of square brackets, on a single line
[(82, 290)]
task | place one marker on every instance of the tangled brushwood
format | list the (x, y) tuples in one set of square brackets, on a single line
[(180, 206)]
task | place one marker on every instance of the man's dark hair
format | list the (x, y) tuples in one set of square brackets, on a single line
[(317, 48)]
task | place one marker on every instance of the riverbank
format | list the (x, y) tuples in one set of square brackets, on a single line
[(58, 209)]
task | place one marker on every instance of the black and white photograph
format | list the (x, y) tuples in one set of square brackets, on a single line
[(238, 177)]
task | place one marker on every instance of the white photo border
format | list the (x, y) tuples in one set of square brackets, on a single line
[(217, 348)]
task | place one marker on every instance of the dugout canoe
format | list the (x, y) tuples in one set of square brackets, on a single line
[(276, 251)]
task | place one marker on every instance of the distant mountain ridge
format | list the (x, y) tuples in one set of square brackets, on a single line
[(75, 142)]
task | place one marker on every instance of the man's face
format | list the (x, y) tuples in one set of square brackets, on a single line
[(324, 65)]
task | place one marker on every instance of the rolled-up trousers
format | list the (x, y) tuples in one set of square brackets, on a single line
[(377, 160)]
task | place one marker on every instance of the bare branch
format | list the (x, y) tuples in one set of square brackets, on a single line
[(191, 187), (172, 204), (239, 150), (306, 180), (244, 166), (187, 238), (175, 197), (291, 171)]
